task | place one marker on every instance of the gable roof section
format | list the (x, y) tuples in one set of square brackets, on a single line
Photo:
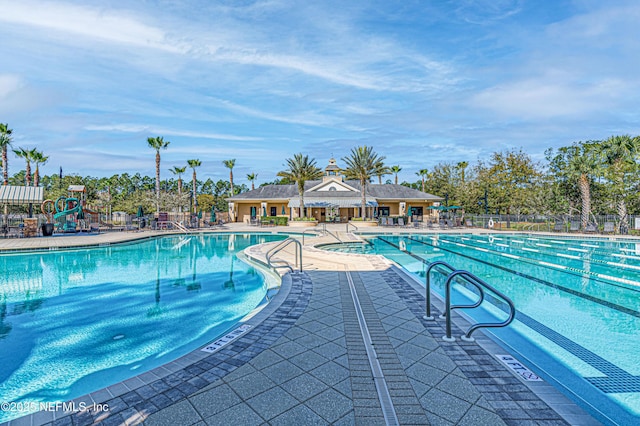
[(331, 182), (399, 192), (380, 192), (268, 192)]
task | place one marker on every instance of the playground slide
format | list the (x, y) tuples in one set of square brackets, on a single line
[(70, 206), (75, 209)]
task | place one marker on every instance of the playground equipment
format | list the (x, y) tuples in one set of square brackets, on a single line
[(68, 212), (68, 207)]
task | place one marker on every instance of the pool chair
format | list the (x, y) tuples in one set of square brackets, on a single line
[(591, 228), (574, 226), (401, 222), (609, 228), (383, 221), (558, 227)]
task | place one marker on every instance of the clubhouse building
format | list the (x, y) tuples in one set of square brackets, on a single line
[(332, 199)]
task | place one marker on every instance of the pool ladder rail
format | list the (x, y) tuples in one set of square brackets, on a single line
[(280, 264), (323, 229), (479, 284)]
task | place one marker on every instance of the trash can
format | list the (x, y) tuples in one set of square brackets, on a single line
[(47, 229)]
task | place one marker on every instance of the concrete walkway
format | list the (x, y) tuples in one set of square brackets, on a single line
[(342, 343)]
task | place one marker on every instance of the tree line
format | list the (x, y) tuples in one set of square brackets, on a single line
[(586, 178)]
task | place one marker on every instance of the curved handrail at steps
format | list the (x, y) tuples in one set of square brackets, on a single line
[(427, 296), (279, 247), (181, 227), (324, 231), (479, 284), (351, 224)]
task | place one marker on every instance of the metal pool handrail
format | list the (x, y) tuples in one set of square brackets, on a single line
[(181, 227), (351, 224), (479, 284), (280, 247), (324, 230), (427, 295)]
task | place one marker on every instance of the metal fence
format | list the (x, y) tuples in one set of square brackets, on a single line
[(551, 223)]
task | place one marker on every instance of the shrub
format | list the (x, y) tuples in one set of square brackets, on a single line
[(278, 220)]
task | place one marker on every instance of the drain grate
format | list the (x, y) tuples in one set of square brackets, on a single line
[(384, 397)]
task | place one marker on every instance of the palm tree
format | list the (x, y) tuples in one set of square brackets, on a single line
[(229, 165), (462, 166), (382, 171), (423, 173), (251, 177), (362, 165), (27, 155), (158, 143), (396, 170), (38, 158), (179, 171), (301, 169), (619, 153), (581, 165), (5, 142), (193, 164)]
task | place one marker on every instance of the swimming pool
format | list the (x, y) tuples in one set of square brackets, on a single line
[(577, 303), (75, 321)]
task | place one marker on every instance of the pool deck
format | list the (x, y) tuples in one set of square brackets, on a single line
[(343, 342)]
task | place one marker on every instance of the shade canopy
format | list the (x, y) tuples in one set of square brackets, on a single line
[(444, 208), (10, 194), (333, 202)]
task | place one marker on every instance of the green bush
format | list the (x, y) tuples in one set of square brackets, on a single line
[(304, 219), (278, 220)]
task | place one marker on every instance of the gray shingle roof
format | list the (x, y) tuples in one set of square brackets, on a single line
[(384, 191)]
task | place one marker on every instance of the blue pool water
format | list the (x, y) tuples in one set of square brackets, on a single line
[(578, 319), (75, 321)]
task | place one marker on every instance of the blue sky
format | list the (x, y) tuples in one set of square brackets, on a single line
[(422, 81)]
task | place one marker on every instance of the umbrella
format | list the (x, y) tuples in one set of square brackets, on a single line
[(213, 214), (200, 214), (409, 212), (454, 207), (140, 212), (283, 210), (264, 212), (253, 211)]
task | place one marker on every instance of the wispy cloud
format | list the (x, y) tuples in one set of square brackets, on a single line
[(422, 82), (153, 130), (85, 21)]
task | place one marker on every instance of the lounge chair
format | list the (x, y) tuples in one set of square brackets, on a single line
[(559, 227), (574, 226), (383, 221), (609, 228), (468, 223), (401, 222), (591, 227)]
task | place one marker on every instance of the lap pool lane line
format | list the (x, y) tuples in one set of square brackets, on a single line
[(615, 379)]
